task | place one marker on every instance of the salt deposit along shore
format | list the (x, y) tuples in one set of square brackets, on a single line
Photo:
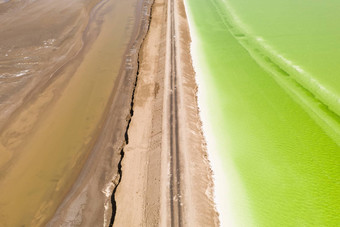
[(223, 191)]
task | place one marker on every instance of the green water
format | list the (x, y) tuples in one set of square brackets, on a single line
[(266, 115), (302, 36)]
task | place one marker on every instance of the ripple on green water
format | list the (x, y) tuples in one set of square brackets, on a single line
[(277, 132)]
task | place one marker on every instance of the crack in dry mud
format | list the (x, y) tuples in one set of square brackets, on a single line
[(126, 136), (129, 118)]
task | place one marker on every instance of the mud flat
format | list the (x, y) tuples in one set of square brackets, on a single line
[(62, 66)]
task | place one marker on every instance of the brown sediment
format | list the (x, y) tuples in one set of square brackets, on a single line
[(89, 201), (33, 36), (53, 116)]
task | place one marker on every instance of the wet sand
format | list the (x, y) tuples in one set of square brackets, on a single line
[(59, 72)]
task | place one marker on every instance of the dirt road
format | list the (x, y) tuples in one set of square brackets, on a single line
[(175, 169)]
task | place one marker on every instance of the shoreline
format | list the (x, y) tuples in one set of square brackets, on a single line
[(223, 191), (109, 141), (211, 144)]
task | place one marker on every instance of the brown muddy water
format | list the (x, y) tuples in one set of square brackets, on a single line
[(58, 64)]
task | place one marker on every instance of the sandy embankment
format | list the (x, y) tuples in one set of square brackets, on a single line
[(143, 195)]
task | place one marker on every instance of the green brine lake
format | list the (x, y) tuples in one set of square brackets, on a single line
[(268, 73)]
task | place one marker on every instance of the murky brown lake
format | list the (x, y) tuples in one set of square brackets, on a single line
[(58, 65)]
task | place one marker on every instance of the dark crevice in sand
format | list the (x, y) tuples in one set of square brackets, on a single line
[(126, 135)]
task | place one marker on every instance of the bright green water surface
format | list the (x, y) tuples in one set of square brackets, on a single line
[(266, 115), (302, 36)]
